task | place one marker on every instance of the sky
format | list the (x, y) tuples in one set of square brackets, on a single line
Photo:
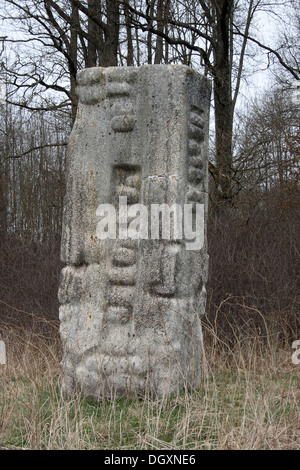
[(267, 31), (260, 78)]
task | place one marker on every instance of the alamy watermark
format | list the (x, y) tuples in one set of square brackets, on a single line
[(160, 221)]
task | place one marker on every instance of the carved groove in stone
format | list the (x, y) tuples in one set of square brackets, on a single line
[(196, 137), (122, 275), (195, 196), (196, 161), (118, 89), (124, 256), (163, 275), (195, 174), (122, 112), (123, 123), (196, 117), (117, 315)]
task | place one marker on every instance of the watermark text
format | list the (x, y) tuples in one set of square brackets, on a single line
[(160, 221)]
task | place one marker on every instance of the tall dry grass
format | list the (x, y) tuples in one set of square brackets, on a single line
[(249, 398)]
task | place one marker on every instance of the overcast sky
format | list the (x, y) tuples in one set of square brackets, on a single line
[(259, 77)]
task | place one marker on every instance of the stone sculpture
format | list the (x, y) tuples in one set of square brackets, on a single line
[(130, 308)]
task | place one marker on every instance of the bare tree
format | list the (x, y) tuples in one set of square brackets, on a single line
[(35, 174), (59, 38), (216, 34), (3, 173), (288, 45), (212, 36), (268, 150)]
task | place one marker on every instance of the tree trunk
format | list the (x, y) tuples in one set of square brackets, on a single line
[(160, 27), (150, 15), (129, 35), (111, 34), (94, 33), (73, 58), (223, 98), (3, 207), (4, 171)]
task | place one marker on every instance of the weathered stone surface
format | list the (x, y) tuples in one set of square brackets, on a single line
[(130, 308)]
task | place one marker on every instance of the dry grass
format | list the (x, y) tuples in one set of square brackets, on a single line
[(249, 398)]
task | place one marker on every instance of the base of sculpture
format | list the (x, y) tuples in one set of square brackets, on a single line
[(131, 306)]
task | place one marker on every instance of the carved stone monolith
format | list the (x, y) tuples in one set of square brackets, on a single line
[(131, 304)]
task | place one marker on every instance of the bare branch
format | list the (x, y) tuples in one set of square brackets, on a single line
[(39, 147)]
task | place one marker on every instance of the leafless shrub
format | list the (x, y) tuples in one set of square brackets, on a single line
[(254, 280), (29, 284)]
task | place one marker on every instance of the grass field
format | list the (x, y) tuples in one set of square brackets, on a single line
[(249, 398)]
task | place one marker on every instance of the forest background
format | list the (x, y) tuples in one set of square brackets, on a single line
[(250, 51)]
